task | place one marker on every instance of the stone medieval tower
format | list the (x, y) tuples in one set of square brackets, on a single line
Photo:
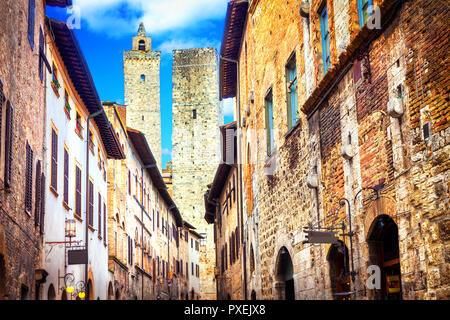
[(141, 67), (197, 115)]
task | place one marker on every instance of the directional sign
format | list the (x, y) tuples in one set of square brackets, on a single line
[(320, 237), (169, 282)]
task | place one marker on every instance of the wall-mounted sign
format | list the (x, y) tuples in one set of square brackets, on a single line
[(320, 237), (77, 256)]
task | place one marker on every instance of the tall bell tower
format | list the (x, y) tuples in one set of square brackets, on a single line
[(141, 68)]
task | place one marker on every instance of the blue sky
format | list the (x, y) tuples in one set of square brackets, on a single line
[(106, 29)]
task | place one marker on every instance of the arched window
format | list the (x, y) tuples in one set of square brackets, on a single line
[(142, 77), (142, 45)]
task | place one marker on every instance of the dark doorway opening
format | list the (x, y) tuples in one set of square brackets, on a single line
[(339, 271), (3, 295), (51, 295), (384, 252), (285, 276), (253, 296)]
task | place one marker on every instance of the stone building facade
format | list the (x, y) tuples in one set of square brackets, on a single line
[(22, 111), (197, 115), (76, 188), (143, 220), (141, 68), (364, 117), (222, 202)]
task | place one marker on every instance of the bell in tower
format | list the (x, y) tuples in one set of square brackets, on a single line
[(141, 42)]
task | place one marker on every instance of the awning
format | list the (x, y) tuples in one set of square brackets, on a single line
[(231, 43), (80, 75)]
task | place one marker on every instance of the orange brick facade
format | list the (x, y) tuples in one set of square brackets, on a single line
[(349, 138)]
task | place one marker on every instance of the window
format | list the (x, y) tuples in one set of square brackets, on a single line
[(42, 218), (78, 191), (31, 11), (99, 215), (142, 77), (29, 179), (325, 40), (8, 143), (364, 11), (141, 45), (2, 100), (292, 92), (91, 142), (194, 114), (55, 82), (66, 177), (54, 165), (269, 123), (41, 54), (66, 103), (78, 126), (37, 205), (104, 222), (90, 196)]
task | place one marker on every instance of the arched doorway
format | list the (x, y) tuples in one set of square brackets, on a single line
[(3, 295), (110, 291), (51, 294), (339, 271), (384, 252), (64, 295), (90, 291), (284, 275), (253, 295), (117, 294)]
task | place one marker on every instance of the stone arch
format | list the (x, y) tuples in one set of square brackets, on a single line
[(90, 289), (51, 294), (110, 293), (384, 251), (338, 260), (284, 275), (384, 205), (252, 260)]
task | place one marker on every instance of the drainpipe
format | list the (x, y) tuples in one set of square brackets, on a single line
[(91, 116)]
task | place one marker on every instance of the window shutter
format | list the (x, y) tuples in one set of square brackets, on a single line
[(104, 222), (31, 11), (91, 203), (8, 143), (237, 242), (78, 192), (66, 176), (37, 206), (99, 214), (2, 100), (29, 179), (54, 181), (41, 53), (42, 220), (129, 182)]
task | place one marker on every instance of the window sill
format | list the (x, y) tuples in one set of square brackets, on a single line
[(292, 129), (91, 228), (66, 206), (79, 134), (100, 237), (53, 190), (77, 217), (55, 89), (67, 112)]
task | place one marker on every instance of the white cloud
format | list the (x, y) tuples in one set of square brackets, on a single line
[(159, 16), (166, 152), (228, 107)]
